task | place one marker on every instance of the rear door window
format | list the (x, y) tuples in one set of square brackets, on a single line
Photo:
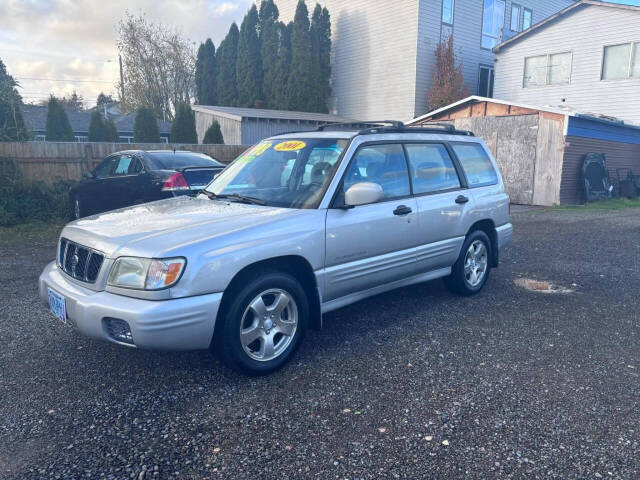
[(476, 164), (122, 168), (432, 169)]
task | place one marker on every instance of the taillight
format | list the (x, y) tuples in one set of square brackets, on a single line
[(175, 182)]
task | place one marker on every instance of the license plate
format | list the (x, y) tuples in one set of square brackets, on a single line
[(57, 305)]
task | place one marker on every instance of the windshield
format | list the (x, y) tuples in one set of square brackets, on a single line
[(292, 173)]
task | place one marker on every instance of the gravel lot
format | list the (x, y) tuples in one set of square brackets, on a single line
[(415, 383)]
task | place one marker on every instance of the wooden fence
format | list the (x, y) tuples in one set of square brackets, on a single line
[(55, 161)]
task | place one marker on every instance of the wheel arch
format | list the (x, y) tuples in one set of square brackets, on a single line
[(294, 265), (489, 227)]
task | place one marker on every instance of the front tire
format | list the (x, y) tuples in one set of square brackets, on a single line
[(263, 324), (471, 271)]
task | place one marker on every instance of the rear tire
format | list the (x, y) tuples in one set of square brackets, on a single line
[(263, 324), (471, 271)]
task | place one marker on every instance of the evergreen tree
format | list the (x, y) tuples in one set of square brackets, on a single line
[(110, 131), (183, 129), (58, 126), (145, 126), (300, 77), (283, 100), (96, 127), (213, 135), (249, 63), (226, 61), (12, 126), (199, 72), (321, 59), (270, 52), (209, 75)]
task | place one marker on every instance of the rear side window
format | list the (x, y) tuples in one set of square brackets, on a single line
[(476, 164), (432, 169)]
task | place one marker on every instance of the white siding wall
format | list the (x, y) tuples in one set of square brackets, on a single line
[(467, 33), (383, 50), (373, 55), (584, 32)]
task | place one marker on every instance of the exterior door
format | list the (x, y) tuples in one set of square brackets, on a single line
[(371, 245), (96, 192), (443, 205), (121, 185)]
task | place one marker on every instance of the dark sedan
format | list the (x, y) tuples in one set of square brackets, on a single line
[(128, 178)]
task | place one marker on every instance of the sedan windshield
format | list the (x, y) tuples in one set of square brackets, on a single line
[(291, 173)]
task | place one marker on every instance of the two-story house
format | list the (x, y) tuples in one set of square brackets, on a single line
[(586, 58), (383, 51)]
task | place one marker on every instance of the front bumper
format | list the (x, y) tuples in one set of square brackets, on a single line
[(176, 324)]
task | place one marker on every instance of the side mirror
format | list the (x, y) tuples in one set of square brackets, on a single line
[(363, 193), (88, 175)]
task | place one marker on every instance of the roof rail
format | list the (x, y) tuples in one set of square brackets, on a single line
[(445, 128), (359, 125)]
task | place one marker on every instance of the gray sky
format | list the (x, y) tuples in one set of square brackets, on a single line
[(74, 40)]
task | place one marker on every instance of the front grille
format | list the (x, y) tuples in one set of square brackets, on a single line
[(79, 262)]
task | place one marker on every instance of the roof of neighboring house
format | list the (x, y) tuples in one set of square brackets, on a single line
[(550, 109), (35, 116), (237, 113), (560, 16)]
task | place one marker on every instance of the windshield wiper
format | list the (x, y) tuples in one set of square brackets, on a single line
[(235, 196)]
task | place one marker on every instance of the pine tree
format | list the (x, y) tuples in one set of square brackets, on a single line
[(448, 82), (183, 129), (199, 72), (226, 61), (300, 78), (58, 126), (110, 131), (323, 31), (12, 126), (283, 100), (209, 85), (270, 52), (249, 63), (145, 126), (213, 135), (96, 127)]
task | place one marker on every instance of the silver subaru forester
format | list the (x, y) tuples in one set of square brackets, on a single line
[(297, 226)]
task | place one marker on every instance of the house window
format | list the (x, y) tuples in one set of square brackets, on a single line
[(492, 22), (527, 18), (620, 62), (40, 138), (554, 69), (485, 81), (515, 17), (447, 11)]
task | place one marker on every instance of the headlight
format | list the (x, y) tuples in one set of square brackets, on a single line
[(146, 273)]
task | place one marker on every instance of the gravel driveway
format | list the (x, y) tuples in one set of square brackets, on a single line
[(415, 383)]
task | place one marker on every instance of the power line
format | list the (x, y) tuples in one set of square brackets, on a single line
[(71, 80)]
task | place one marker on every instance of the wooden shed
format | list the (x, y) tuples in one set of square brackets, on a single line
[(540, 149)]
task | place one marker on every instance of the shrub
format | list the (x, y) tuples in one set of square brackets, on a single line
[(213, 135), (28, 202)]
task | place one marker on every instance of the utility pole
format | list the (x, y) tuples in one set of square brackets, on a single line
[(121, 79)]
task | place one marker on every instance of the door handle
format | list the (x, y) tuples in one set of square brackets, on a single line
[(402, 210), (462, 199)]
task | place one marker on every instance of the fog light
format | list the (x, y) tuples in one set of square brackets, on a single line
[(118, 329)]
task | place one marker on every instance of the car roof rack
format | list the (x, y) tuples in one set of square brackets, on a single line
[(372, 127), (358, 125)]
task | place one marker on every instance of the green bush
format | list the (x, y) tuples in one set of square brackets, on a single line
[(29, 202)]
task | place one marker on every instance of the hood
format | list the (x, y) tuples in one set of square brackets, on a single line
[(155, 229)]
